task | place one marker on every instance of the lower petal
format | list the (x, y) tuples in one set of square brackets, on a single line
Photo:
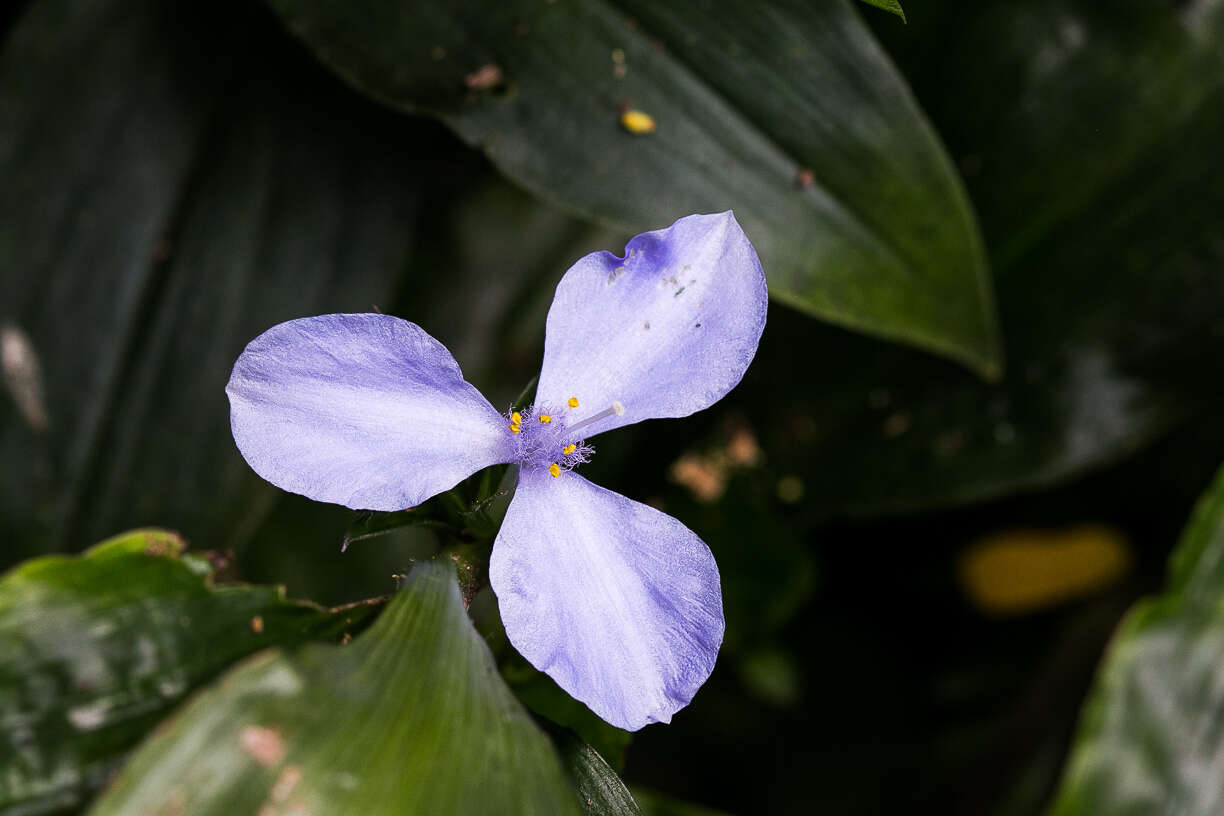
[(364, 410), (617, 602)]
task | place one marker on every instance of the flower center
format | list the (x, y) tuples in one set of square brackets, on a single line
[(550, 438)]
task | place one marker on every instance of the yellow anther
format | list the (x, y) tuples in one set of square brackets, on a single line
[(573, 402), (637, 122), (568, 449), (515, 429), (516, 418), (554, 469), (545, 418)]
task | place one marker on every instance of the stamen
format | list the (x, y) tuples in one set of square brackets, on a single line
[(616, 408), (515, 429), (545, 418), (554, 470), (568, 449), (573, 402), (516, 418)]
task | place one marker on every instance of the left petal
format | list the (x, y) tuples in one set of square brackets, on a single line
[(665, 331), (617, 602), (364, 410)]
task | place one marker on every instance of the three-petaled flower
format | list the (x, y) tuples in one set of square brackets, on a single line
[(616, 601)]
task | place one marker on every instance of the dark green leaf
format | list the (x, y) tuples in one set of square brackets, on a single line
[(1150, 738), (600, 791), (787, 113), (888, 5), (95, 649), (369, 524), (1090, 138), (412, 717), (203, 191)]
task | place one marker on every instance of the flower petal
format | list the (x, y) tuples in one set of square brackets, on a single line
[(616, 601), (364, 410), (665, 331)]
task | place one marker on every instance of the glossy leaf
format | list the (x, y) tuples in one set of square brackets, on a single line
[(1150, 739), (1104, 238), (95, 649), (600, 791), (205, 191), (787, 113), (412, 717), (888, 5)]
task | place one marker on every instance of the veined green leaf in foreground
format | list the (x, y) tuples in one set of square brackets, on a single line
[(1151, 736), (412, 717), (95, 649), (786, 112)]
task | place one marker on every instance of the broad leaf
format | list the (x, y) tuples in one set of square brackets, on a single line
[(204, 191), (787, 113), (1150, 739), (95, 649), (1104, 236), (412, 717)]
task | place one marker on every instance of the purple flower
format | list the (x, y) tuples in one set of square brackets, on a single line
[(618, 602)]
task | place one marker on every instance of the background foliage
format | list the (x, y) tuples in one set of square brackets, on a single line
[(990, 372)]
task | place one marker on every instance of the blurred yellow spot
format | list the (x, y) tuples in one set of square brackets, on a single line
[(790, 489), (514, 429), (545, 418), (637, 122), (568, 449), (554, 469), (573, 402), (516, 418), (1016, 572)]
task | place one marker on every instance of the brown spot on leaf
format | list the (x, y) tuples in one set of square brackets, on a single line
[(265, 745), (896, 424), (257, 624), (484, 78), (285, 783), (805, 178), (21, 376)]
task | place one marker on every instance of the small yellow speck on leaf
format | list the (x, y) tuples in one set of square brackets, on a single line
[(637, 122)]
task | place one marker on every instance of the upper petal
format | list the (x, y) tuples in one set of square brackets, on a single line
[(665, 331), (364, 410), (616, 601)]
